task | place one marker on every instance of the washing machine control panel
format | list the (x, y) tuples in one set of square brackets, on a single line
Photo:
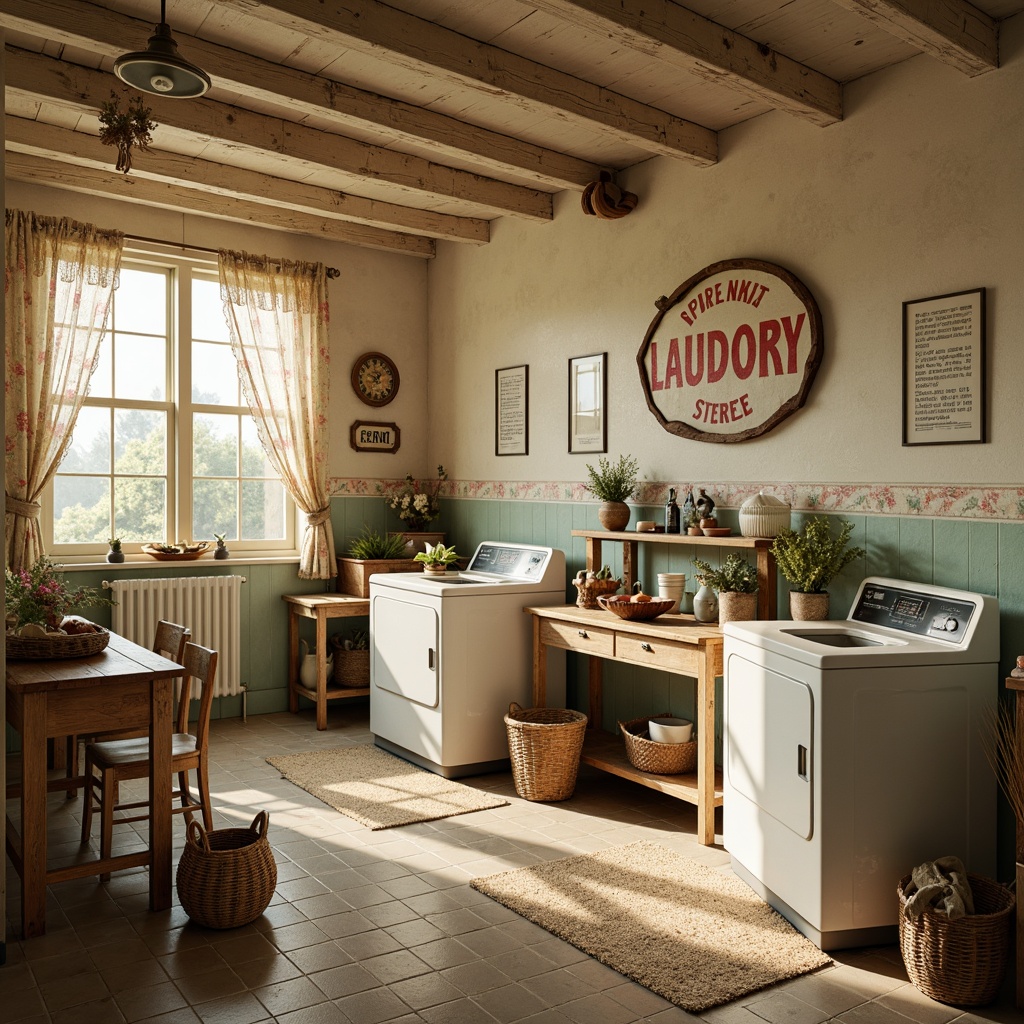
[(919, 612), (513, 561)]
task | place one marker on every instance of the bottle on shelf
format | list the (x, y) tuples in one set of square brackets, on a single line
[(671, 512)]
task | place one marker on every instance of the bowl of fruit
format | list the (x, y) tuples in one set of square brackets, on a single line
[(637, 606)]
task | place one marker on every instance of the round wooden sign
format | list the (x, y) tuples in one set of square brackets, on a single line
[(732, 352)]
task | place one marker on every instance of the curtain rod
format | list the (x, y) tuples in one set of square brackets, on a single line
[(331, 271)]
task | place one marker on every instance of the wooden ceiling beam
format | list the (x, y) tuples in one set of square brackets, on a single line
[(420, 46), (169, 196), (953, 31), (108, 34), (81, 89), (678, 37), (67, 146)]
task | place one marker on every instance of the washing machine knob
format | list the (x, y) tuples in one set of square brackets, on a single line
[(951, 625)]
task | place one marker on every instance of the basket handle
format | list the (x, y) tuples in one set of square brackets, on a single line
[(260, 823), (196, 835)]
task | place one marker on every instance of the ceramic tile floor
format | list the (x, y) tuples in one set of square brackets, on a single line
[(369, 927)]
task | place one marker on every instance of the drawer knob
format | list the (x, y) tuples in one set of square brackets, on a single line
[(646, 647), (583, 633)]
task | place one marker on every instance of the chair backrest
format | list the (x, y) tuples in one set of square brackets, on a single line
[(170, 639), (200, 664)]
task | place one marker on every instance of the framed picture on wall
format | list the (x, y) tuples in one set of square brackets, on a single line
[(588, 402), (512, 410), (944, 369)]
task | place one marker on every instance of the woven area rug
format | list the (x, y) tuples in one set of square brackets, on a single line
[(695, 936), (378, 789)]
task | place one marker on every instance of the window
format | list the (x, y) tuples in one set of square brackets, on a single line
[(164, 447)]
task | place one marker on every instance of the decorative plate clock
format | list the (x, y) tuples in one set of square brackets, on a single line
[(375, 378)]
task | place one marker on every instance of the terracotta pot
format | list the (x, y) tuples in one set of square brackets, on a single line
[(808, 607), (613, 515), (736, 607)]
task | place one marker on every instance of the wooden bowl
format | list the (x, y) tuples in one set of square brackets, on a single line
[(640, 611)]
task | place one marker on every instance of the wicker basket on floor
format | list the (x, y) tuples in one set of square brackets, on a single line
[(657, 758), (226, 877), (544, 745), (960, 962)]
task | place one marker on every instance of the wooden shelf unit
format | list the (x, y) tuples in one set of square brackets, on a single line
[(767, 575)]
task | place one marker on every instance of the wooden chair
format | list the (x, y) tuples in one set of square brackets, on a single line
[(111, 762)]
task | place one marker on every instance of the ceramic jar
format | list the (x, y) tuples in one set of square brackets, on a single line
[(763, 516), (307, 666), (705, 604)]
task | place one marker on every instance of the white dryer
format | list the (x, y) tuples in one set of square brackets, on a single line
[(449, 655), (854, 751)]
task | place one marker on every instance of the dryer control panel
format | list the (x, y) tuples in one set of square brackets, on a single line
[(511, 561), (920, 612)]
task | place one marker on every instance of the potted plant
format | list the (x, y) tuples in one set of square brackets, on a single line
[(436, 558), (221, 550), (115, 554), (613, 483), (810, 558), (736, 583), (371, 552), (417, 509)]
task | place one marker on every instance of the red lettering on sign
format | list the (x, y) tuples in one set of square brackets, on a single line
[(792, 336), (722, 412), (768, 342), (673, 369), (694, 377), (656, 382), (717, 341), (740, 366)]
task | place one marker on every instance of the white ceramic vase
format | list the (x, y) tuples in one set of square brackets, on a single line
[(307, 666), (705, 605)]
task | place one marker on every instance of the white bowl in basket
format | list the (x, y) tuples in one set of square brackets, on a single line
[(670, 730)]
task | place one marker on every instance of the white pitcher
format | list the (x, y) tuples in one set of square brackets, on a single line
[(307, 666)]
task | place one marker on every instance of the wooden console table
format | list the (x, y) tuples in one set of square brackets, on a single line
[(319, 607), (671, 643), (1017, 685)]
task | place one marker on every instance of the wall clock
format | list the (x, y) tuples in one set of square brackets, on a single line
[(375, 378)]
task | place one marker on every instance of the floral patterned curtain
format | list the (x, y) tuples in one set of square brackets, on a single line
[(277, 316), (60, 277)]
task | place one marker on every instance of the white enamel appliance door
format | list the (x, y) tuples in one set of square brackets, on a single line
[(405, 650)]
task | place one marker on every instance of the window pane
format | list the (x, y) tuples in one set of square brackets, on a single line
[(139, 367), (214, 445), (254, 458), (140, 442), (214, 509), (214, 375), (81, 509), (208, 320), (140, 302), (139, 509), (263, 505), (90, 444)]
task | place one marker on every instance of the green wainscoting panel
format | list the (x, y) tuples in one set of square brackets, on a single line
[(950, 557)]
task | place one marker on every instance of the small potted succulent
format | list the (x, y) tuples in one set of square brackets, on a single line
[(221, 550), (613, 483), (436, 558), (736, 583), (115, 554)]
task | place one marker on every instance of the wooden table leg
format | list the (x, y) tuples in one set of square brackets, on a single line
[(321, 668), (161, 728), (33, 816), (705, 717), (293, 659), (595, 680), (540, 667)]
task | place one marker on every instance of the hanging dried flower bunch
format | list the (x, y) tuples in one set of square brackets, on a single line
[(124, 130)]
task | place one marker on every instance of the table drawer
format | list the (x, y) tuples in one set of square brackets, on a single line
[(572, 637), (667, 655)]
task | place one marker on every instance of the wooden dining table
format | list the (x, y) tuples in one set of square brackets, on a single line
[(125, 686)]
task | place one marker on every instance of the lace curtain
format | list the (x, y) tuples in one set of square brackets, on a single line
[(60, 277), (277, 316)]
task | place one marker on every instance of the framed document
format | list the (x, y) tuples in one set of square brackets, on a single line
[(511, 410), (588, 400), (944, 369)]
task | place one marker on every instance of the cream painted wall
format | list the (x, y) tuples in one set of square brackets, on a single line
[(378, 303), (916, 193)]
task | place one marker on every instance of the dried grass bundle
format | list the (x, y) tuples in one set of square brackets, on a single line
[(1006, 755)]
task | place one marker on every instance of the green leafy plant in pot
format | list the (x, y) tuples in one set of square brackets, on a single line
[(809, 559), (436, 558), (736, 583), (613, 483)]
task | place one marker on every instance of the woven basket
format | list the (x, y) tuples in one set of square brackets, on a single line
[(351, 668), (73, 645), (226, 877), (961, 962), (651, 756), (588, 591), (544, 745)]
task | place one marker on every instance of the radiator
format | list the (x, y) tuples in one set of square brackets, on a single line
[(209, 605)]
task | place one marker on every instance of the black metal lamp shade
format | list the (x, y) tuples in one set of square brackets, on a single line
[(160, 70)]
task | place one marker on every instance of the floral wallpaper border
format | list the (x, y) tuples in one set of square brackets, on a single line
[(992, 503)]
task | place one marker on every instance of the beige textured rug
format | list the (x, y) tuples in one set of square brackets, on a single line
[(695, 936), (378, 789)]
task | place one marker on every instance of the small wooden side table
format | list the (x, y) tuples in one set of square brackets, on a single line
[(319, 607), (1017, 685)]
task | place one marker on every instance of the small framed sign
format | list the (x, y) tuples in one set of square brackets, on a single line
[(512, 410), (944, 369), (588, 400), (375, 437)]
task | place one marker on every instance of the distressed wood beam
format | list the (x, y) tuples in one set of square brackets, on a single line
[(678, 37), (108, 33), (67, 146), (78, 88), (169, 196), (953, 31), (417, 45)]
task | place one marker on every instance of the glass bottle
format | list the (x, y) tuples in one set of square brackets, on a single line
[(671, 512)]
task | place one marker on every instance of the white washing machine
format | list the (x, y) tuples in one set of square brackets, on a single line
[(853, 752), (448, 656)]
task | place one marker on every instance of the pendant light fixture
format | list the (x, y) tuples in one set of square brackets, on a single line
[(159, 69)]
